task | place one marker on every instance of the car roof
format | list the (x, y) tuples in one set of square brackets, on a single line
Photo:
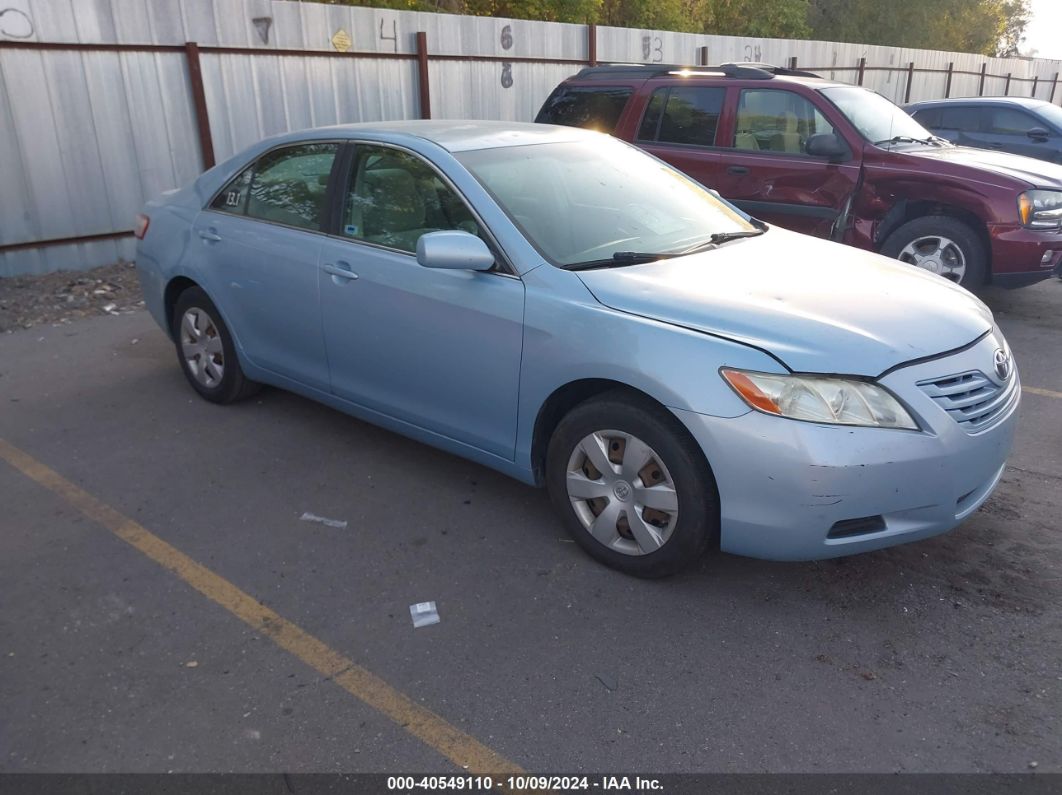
[(729, 71), (451, 134), (1025, 102)]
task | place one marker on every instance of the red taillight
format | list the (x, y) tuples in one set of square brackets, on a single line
[(142, 224)]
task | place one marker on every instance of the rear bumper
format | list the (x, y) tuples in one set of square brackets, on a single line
[(794, 490), (1023, 256)]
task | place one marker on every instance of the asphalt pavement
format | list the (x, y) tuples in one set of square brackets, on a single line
[(140, 526)]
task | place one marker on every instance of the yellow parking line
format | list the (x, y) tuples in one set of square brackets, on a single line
[(462, 749), (1035, 390)]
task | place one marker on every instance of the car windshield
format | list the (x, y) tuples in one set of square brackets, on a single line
[(877, 119), (581, 203)]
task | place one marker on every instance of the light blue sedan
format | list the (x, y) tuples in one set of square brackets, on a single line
[(567, 309)]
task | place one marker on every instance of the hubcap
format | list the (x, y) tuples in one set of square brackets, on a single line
[(622, 492), (201, 347), (937, 254)]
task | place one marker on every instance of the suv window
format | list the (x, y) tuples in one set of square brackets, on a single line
[(597, 108), (928, 117), (682, 115), (1007, 121), (960, 118), (286, 186), (396, 197), (773, 120)]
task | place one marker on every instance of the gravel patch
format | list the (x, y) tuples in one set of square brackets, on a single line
[(28, 301)]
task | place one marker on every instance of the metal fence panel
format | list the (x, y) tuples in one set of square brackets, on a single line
[(87, 136)]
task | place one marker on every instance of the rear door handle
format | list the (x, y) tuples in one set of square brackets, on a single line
[(210, 235), (737, 170), (340, 272)]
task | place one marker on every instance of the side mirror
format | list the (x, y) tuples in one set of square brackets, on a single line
[(1038, 134), (826, 145), (454, 250)]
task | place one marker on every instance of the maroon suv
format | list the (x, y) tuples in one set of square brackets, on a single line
[(832, 160)]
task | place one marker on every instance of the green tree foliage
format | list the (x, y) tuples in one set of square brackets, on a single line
[(990, 27)]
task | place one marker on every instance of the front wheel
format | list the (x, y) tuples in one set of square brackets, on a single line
[(942, 245), (632, 486)]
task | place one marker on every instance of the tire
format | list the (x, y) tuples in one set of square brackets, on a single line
[(604, 502), (199, 335), (931, 253)]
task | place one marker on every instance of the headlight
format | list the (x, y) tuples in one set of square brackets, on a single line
[(1041, 209), (840, 401)]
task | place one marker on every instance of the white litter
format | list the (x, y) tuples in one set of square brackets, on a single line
[(424, 614), (309, 517)]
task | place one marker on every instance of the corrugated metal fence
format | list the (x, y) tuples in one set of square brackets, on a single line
[(103, 103)]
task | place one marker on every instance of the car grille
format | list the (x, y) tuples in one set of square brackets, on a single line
[(972, 399)]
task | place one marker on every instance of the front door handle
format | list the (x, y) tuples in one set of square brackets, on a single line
[(210, 235), (737, 170), (340, 272)]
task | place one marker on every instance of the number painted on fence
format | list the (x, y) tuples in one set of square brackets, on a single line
[(394, 33), (15, 24), (507, 75), (507, 37), (652, 49)]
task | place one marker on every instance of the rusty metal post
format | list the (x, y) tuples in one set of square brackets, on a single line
[(910, 79), (1054, 84), (1006, 89), (793, 62), (947, 85), (202, 117), (591, 44), (422, 75), (981, 86), (862, 69), (1036, 80), (702, 56)]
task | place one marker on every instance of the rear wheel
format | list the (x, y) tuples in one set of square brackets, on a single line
[(206, 351), (632, 486), (942, 245)]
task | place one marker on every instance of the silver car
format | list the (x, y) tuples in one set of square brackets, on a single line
[(565, 308)]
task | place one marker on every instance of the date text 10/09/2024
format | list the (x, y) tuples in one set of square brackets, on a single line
[(402, 784)]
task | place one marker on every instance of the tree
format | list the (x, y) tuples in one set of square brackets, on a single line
[(989, 27)]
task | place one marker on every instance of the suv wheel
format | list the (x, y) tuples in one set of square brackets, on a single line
[(943, 245), (632, 486)]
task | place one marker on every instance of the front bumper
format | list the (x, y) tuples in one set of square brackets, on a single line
[(784, 485), (1022, 256)]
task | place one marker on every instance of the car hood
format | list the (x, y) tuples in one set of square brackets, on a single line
[(819, 307), (1036, 173)]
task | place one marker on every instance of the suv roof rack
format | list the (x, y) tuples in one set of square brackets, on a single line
[(743, 71)]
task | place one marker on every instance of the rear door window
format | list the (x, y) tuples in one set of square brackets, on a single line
[(596, 107), (682, 115), (961, 118), (286, 186), (930, 118)]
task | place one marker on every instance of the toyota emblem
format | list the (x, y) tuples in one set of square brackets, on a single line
[(1003, 364)]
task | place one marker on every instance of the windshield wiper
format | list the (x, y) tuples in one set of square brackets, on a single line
[(621, 258), (907, 139)]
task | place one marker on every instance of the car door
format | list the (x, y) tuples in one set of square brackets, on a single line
[(439, 349), (261, 238), (767, 171), (679, 126)]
